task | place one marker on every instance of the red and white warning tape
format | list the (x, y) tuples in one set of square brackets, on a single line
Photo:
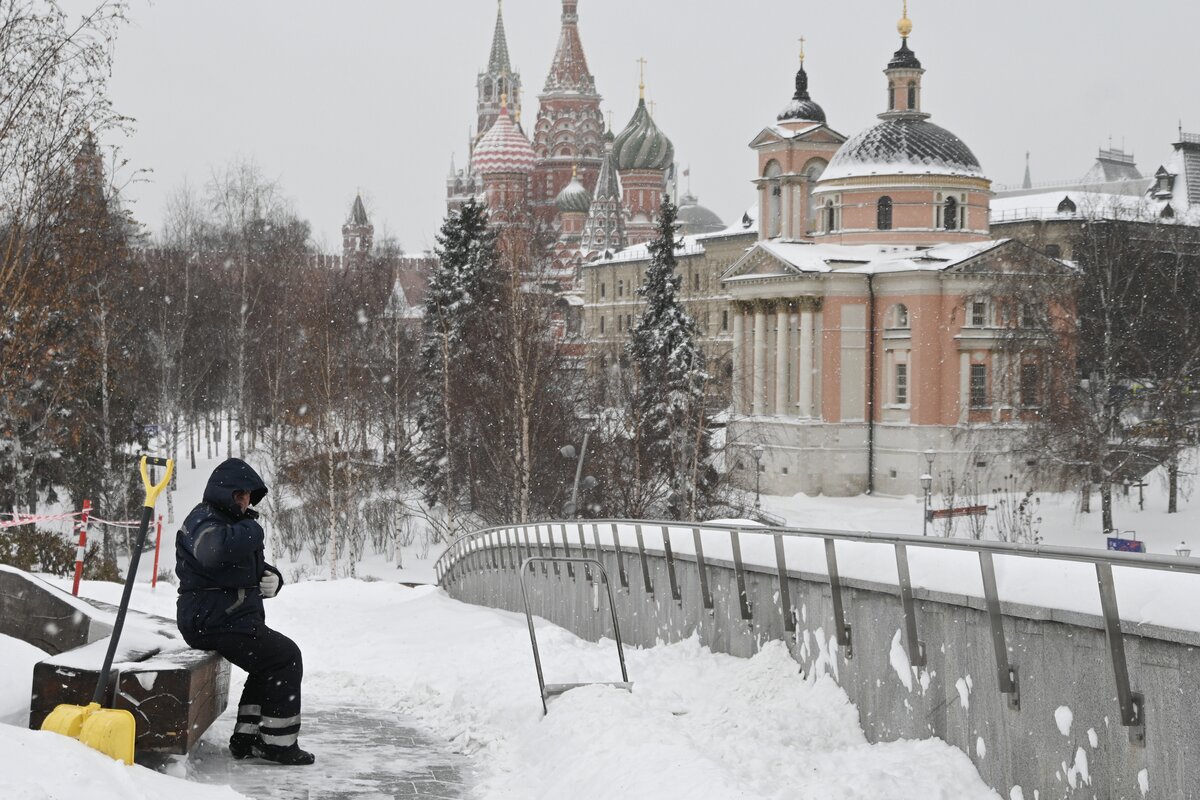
[(30, 519)]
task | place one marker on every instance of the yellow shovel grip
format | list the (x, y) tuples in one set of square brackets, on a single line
[(153, 490)]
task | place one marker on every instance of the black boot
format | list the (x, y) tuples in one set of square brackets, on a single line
[(241, 745), (291, 755)]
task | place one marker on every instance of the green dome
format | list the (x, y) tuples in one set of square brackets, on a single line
[(642, 145), (574, 198)]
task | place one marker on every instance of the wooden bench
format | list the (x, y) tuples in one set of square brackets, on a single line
[(174, 692)]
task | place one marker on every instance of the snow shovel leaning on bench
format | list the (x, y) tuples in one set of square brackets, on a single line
[(110, 730)]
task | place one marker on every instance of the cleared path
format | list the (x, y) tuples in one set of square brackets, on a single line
[(362, 754)]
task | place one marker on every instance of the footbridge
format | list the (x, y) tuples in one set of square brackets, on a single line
[(1060, 672)]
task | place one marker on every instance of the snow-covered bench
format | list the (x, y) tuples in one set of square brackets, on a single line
[(173, 691)]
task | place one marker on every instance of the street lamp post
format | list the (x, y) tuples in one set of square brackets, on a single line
[(758, 454), (572, 508), (927, 487)]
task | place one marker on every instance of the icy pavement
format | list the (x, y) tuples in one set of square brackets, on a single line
[(362, 754)]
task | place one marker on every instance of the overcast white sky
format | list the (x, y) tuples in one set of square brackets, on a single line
[(377, 94)]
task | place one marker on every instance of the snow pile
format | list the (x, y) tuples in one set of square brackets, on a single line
[(36, 765), (697, 725)]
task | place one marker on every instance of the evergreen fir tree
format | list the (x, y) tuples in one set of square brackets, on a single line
[(461, 290), (667, 403)]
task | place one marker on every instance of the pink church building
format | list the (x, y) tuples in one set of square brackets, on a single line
[(865, 332)]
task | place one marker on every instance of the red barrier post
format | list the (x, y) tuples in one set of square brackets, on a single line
[(157, 545), (82, 548)]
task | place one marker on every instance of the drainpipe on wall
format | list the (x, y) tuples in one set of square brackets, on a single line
[(870, 384)]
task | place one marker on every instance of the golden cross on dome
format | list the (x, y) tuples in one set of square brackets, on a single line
[(801, 49), (642, 79)]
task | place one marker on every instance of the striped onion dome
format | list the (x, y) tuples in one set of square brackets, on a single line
[(503, 150), (642, 145), (574, 198)]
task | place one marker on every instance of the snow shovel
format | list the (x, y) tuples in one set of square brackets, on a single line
[(111, 730)]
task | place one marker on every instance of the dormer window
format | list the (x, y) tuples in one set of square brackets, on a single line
[(1167, 212), (1066, 205), (1164, 183)]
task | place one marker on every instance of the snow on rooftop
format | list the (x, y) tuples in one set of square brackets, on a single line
[(866, 259), (1078, 204)]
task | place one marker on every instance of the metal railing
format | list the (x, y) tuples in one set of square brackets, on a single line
[(508, 547)]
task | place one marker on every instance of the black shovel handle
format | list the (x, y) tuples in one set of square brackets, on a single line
[(131, 576)]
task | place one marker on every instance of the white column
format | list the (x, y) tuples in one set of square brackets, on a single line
[(793, 360), (739, 379), (759, 392), (806, 362), (782, 348), (785, 218)]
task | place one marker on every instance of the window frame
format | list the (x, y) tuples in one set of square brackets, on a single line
[(977, 385)]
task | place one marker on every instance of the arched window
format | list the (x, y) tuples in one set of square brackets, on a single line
[(912, 95), (812, 174), (891, 96), (950, 214), (898, 316), (830, 217), (883, 213)]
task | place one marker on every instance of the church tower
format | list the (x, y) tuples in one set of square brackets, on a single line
[(792, 155), (604, 231), (642, 155), (568, 134), (357, 235), (498, 81)]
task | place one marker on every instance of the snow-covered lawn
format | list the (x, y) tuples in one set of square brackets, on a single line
[(697, 725)]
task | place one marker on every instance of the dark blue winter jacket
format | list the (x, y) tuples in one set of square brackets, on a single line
[(219, 557)]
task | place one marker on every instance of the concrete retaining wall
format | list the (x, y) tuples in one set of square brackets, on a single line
[(1062, 658)]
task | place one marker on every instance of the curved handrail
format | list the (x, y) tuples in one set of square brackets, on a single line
[(500, 540), (1050, 552)]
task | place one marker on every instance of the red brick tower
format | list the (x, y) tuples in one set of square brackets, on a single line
[(357, 235), (504, 160), (569, 130)]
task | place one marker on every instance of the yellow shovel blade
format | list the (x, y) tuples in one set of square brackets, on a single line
[(68, 719), (111, 731)]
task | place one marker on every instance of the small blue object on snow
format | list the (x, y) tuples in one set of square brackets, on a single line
[(1126, 545)]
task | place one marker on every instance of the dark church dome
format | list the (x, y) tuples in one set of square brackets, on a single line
[(696, 219), (802, 106), (903, 146)]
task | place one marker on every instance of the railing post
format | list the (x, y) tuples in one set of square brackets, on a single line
[(705, 591), (637, 529), (916, 648), (587, 568), (739, 572), (785, 591), (841, 629), (1006, 673), (567, 550), (1133, 710), (620, 558), (666, 534)]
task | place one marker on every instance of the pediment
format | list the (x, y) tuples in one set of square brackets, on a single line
[(1011, 256), (758, 261)]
